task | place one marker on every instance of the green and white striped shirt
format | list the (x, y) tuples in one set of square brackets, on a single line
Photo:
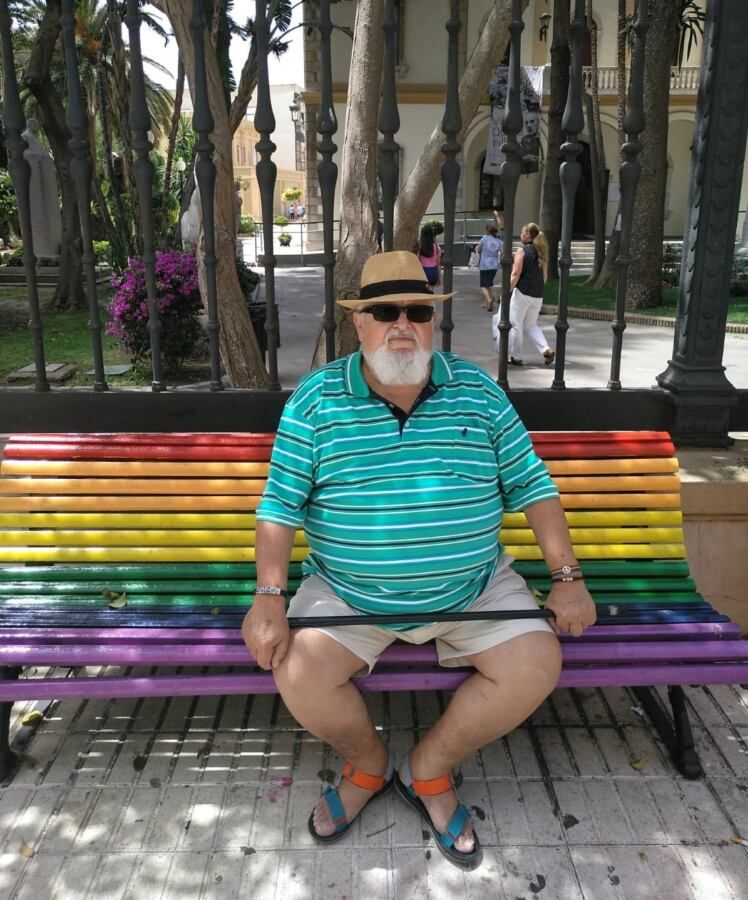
[(402, 519)]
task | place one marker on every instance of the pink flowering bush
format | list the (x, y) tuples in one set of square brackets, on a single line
[(179, 305)]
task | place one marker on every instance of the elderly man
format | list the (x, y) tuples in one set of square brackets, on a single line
[(399, 461)]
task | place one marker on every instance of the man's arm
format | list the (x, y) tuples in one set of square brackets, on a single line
[(265, 627), (570, 601)]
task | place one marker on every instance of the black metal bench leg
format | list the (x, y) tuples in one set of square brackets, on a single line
[(7, 757), (676, 732)]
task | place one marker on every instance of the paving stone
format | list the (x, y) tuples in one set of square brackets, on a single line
[(232, 821)]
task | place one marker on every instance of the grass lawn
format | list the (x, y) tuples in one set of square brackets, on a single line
[(584, 297)]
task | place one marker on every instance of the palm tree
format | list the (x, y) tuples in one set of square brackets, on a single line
[(103, 67)]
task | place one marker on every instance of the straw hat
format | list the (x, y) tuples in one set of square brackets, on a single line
[(391, 278)]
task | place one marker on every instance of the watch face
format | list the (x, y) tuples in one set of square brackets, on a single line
[(566, 570)]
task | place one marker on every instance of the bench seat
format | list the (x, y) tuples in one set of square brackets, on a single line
[(162, 527)]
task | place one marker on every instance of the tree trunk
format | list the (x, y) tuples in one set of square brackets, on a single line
[(597, 151), (608, 273), (240, 353), (162, 227), (122, 107), (69, 292), (550, 217), (645, 277), (424, 179), (358, 175)]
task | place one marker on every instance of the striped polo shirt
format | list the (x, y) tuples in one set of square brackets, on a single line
[(402, 517)]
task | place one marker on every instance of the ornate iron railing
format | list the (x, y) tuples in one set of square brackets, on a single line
[(686, 390)]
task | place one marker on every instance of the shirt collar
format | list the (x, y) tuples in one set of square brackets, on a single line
[(441, 373)]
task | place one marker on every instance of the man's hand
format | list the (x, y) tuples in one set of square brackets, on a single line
[(265, 631), (573, 607)]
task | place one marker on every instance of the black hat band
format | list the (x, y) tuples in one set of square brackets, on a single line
[(383, 288)]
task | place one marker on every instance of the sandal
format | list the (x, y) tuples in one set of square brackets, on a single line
[(380, 784), (411, 789)]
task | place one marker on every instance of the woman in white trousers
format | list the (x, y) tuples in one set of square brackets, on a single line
[(527, 281)]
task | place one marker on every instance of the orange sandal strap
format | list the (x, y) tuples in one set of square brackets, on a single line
[(362, 780), (432, 786)]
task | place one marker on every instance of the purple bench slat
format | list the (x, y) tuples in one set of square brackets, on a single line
[(177, 654), (262, 682), (81, 636)]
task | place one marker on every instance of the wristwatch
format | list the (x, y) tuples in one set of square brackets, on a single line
[(270, 589)]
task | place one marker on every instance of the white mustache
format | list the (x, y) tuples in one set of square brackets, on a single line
[(401, 333)]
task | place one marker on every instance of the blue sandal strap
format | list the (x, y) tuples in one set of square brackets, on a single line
[(337, 811), (455, 826)]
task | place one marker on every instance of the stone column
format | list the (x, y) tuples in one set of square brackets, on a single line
[(695, 377)]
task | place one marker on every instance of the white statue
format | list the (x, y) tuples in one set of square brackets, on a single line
[(191, 222), (46, 223)]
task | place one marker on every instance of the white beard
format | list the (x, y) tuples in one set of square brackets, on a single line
[(400, 367)]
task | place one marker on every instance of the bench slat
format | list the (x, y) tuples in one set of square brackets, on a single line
[(108, 486), (123, 634), (178, 654), (132, 469), (262, 682)]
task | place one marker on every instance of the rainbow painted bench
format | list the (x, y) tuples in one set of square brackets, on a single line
[(134, 551)]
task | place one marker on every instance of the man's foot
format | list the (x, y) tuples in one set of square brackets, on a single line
[(548, 356), (339, 806), (436, 800)]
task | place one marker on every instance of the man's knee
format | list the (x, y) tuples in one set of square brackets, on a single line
[(531, 661), (315, 660)]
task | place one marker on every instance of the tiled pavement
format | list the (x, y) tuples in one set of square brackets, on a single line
[(209, 798)]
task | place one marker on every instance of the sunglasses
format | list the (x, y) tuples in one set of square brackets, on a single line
[(388, 312)]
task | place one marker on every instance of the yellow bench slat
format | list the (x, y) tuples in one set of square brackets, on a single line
[(601, 536), (132, 538), (618, 483), (611, 466), (606, 518), (606, 551), (53, 468), (134, 554)]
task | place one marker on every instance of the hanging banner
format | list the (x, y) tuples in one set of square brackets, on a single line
[(531, 95)]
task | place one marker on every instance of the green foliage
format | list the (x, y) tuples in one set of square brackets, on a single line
[(248, 279), (247, 225), (291, 193), (15, 258), (671, 255), (739, 280), (284, 239), (436, 226), (280, 220), (691, 27), (8, 205), (103, 252)]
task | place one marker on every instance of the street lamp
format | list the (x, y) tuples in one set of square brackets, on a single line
[(295, 113), (545, 22), (180, 165)]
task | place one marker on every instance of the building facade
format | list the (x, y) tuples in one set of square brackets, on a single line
[(421, 73)]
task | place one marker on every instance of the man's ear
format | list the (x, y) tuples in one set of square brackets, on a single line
[(357, 322)]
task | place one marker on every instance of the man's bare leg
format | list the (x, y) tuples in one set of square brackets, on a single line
[(314, 680), (511, 681)]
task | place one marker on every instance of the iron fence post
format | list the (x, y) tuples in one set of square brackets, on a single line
[(695, 379), (450, 170), (511, 169)]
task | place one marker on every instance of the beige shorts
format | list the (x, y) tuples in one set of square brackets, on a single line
[(454, 640)]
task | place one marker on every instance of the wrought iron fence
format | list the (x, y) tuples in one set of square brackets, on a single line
[(727, 23)]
